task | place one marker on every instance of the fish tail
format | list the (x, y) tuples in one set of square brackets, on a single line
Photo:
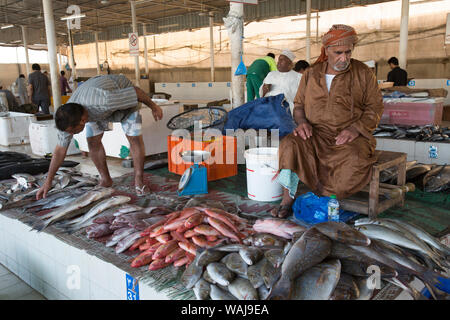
[(281, 290), (41, 225)]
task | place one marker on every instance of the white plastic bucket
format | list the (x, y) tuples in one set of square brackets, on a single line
[(262, 166)]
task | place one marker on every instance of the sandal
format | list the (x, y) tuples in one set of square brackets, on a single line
[(141, 191), (286, 209)]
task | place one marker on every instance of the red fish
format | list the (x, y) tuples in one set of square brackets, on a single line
[(158, 264), (188, 247), (190, 233), (194, 220), (178, 236), (206, 230), (142, 260), (137, 243), (175, 255), (174, 225), (211, 238), (223, 218), (199, 241), (164, 238), (223, 229), (158, 231), (181, 262), (165, 249)]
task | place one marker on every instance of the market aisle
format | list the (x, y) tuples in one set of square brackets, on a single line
[(13, 288)]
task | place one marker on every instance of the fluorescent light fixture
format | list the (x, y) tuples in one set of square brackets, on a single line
[(16, 41), (75, 16), (169, 26), (7, 26)]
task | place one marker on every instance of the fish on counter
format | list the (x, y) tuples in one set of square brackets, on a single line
[(279, 227)]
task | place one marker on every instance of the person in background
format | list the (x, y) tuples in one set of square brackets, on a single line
[(22, 89), (256, 73), (98, 102), (12, 102), (397, 75), (337, 107), (301, 66), (64, 85), (39, 89), (284, 80)]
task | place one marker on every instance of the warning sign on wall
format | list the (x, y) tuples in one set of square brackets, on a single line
[(133, 41)]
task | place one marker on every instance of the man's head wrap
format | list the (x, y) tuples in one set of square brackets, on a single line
[(338, 35), (288, 54)]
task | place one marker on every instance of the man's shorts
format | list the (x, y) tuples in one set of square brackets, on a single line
[(131, 125)]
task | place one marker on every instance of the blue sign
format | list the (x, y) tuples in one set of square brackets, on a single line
[(433, 152), (163, 85), (210, 85), (178, 85), (228, 84), (448, 82), (193, 85), (132, 288), (412, 83)]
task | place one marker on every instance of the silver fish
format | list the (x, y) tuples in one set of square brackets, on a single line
[(437, 180), (65, 212), (264, 239), (118, 235), (207, 277), (202, 289), (263, 292), (250, 255), (192, 274), (270, 274), (242, 289), (234, 247), (235, 263), (220, 273), (342, 232), (127, 208), (318, 282), (219, 294), (208, 256), (127, 242)]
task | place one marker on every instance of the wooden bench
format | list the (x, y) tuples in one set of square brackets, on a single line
[(382, 196)]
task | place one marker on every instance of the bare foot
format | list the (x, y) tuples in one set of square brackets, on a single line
[(106, 183)]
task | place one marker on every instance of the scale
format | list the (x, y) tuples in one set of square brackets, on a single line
[(195, 179)]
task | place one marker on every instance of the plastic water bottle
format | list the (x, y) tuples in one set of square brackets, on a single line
[(333, 209)]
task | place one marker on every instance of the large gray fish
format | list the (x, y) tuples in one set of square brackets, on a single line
[(425, 236), (263, 292), (127, 242), (250, 255), (242, 289), (220, 273), (275, 257), (318, 282), (202, 289), (47, 200), (233, 247), (437, 180), (235, 263), (100, 207), (382, 233), (208, 256), (416, 171), (67, 212), (207, 277), (119, 234), (270, 274), (254, 273), (192, 274), (360, 268), (309, 250), (219, 294), (342, 232), (346, 289), (264, 239)]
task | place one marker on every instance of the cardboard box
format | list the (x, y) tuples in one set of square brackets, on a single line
[(410, 111)]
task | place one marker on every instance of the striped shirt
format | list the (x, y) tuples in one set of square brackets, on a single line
[(107, 98)]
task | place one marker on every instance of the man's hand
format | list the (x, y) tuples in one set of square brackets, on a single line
[(304, 130), (157, 112), (346, 136), (42, 192)]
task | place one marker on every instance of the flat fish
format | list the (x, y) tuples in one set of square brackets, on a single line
[(346, 289), (235, 263), (202, 289), (270, 274), (242, 289), (220, 273), (254, 273), (250, 255), (219, 294), (275, 257), (192, 274)]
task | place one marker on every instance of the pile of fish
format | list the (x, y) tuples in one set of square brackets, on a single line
[(418, 133), (430, 178), (328, 261), (23, 187), (16, 162), (176, 237)]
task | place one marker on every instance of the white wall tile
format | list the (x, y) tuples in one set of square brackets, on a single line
[(118, 287), (50, 292), (36, 283), (24, 273)]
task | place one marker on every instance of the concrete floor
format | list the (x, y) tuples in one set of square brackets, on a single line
[(11, 286)]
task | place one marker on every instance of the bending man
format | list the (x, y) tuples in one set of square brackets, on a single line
[(337, 107), (100, 100)]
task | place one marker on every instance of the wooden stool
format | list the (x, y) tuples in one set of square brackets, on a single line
[(374, 205)]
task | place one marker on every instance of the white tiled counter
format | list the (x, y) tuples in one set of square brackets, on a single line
[(50, 266)]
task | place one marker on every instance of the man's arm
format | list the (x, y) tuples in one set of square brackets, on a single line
[(145, 99), (58, 157), (304, 128), (265, 89), (30, 91)]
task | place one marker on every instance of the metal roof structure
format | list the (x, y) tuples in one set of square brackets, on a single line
[(112, 18)]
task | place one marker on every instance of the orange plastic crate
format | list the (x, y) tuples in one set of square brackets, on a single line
[(223, 161)]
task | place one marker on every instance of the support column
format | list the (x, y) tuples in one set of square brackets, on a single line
[(403, 48), (136, 59), (72, 56), (211, 44), (308, 31), (96, 53), (145, 49), (60, 66), (51, 47), (25, 45), (234, 22)]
